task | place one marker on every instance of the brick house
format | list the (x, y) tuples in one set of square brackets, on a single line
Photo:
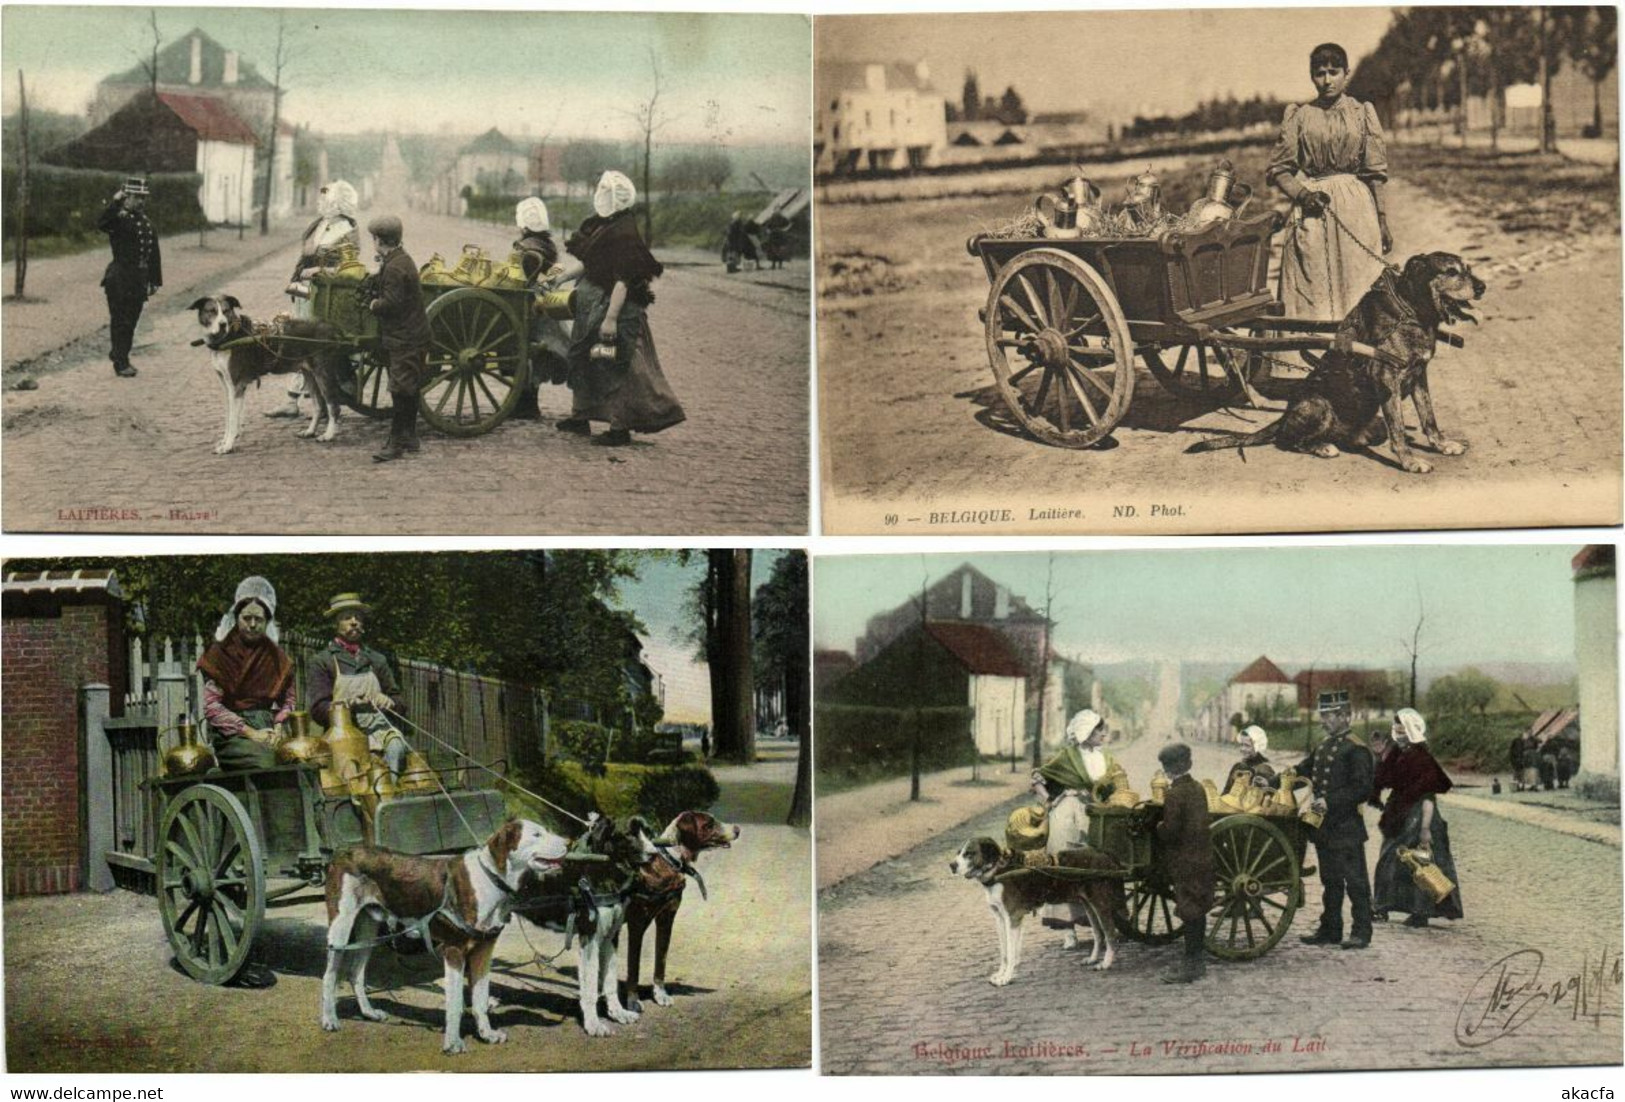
[(60, 630)]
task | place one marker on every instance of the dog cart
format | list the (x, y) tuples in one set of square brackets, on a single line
[(1065, 319), (480, 339), (231, 842)]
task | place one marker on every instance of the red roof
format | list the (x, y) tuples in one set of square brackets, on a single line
[(211, 119), (979, 649), (1554, 722), (1261, 672)]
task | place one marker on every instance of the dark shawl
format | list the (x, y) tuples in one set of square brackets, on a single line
[(537, 253), (1413, 774), (612, 252), (250, 675)]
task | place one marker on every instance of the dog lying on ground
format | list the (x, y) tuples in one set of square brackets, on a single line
[(589, 901), (1350, 399), (1099, 901), (659, 893), (466, 900), (291, 344)]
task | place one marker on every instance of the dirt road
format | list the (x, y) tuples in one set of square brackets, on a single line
[(91, 452), (915, 438)]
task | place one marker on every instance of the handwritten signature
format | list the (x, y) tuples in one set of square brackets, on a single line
[(1512, 992)]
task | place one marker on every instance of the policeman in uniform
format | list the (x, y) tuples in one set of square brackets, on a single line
[(404, 332), (1341, 771), (136, 271)]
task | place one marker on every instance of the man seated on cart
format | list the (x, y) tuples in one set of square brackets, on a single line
[(351, 673), (247, 680)]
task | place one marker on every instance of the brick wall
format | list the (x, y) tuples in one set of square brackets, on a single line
[(51, 646)]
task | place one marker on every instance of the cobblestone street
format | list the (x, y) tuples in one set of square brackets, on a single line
[(905, 950), (86, 446)]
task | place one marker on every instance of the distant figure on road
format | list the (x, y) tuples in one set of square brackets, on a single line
[(1332, 162), (136, 271), (1548, 767), (1515, 755), (1567, 763), (1184, 833), (1530, 775), (737, 245), (705, 744), (1411, 820), (777, 243)]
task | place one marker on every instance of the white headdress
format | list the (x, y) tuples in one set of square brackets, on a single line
[(338, 198), (1416, 728), (1082, 726), (252, 588), (1260, 738), (615, 193), (531, 214)]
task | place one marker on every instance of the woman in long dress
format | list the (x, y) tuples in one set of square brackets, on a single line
[(1079, 774), (612, 300), (1332, 162), (1411, 820)]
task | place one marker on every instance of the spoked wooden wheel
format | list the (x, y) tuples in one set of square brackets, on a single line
[(1151, 916), (1257, 888), (372, 384), (1059, 348), (211, 882), (477, 362), (1204, 370)]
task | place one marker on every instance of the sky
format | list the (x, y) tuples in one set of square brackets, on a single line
[(1116, 64), (734, 79), (660, 598), (1299, 606)]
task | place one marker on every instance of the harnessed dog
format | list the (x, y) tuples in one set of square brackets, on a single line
[(1352, 398), (659, 893), (284, 346), (459, 903), (1011, 898)]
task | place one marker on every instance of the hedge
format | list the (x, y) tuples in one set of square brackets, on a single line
[(657, 792), (65, 202), (857, 740), (585, 742)]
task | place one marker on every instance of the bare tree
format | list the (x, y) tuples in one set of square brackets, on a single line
[(279, 62), (20, 247), (1413, 646), (1043, 675), (650, 119), (919, 673), (149, 65)]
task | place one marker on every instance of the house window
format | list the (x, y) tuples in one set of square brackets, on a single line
[(868, 120), (894, 119)]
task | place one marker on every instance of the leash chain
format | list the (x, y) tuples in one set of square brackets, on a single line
[(1361, 245)]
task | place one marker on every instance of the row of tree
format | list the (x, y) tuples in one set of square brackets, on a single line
[(975, 107), (1436, 58), (1219, 113)]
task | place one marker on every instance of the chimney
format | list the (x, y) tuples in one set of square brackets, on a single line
[(1001, 603), (196, 75), (230, 76), (874, 78), (964, 596)]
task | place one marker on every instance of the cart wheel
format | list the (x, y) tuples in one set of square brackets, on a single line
[(372, 385), (477, 362), (1256, 888), (1059, 347), (1204, 370), (1151, 917), (211, 882)]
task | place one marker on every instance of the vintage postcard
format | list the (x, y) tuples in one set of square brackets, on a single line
[(407, 812), (421, 272), (1216, 811), (1218, 271)]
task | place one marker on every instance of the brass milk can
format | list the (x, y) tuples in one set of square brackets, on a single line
[(1159, 787), (350, 756), (418, 775), (1427, 876), (1234, 800), (190, 756), (303, 746)]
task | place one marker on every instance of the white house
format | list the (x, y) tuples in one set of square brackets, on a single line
[(225, 155), (877, 116)]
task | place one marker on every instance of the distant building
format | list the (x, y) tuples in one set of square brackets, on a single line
[(1596, 650), (196, 65), (1257, 689), (1368, 689), (493, 164), (545, 171), (877, 116), (829, 666)]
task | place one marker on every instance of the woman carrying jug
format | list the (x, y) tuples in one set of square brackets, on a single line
[(1332, 162), (1411, 820)]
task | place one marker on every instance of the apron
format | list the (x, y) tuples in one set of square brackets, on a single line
[(359, 690)]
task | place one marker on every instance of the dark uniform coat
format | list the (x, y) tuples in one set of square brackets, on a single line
[(136, 271), (1187, 849), (1342, 772)]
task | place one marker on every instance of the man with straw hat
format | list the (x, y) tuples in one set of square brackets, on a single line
[(351, 673), (1341, 771)]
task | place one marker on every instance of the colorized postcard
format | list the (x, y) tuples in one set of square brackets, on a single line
[(405, 272), (408, 812), (1217, 811), (1166, 272)]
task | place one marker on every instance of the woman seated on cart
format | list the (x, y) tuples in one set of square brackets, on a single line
[(1254, 741), (1332, 162), (1079, 774), (538, 255), (247, 680)]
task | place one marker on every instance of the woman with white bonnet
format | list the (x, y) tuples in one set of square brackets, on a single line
[(614, 373), (1079, 774), (1411, 820), (538, 254), (334, 226), (248, 686), (1253, 743)]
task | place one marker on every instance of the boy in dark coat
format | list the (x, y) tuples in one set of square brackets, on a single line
[(1187, 854), (403, 331)]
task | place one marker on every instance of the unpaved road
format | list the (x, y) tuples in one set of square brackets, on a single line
[(912, 424), (90, 452)]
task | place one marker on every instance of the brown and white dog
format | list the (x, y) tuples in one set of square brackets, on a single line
[(1098, 901), (291, 344), (469, 896), (659, 893)]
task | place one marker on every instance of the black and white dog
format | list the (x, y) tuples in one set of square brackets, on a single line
[(289, 344), (1011, 898)]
